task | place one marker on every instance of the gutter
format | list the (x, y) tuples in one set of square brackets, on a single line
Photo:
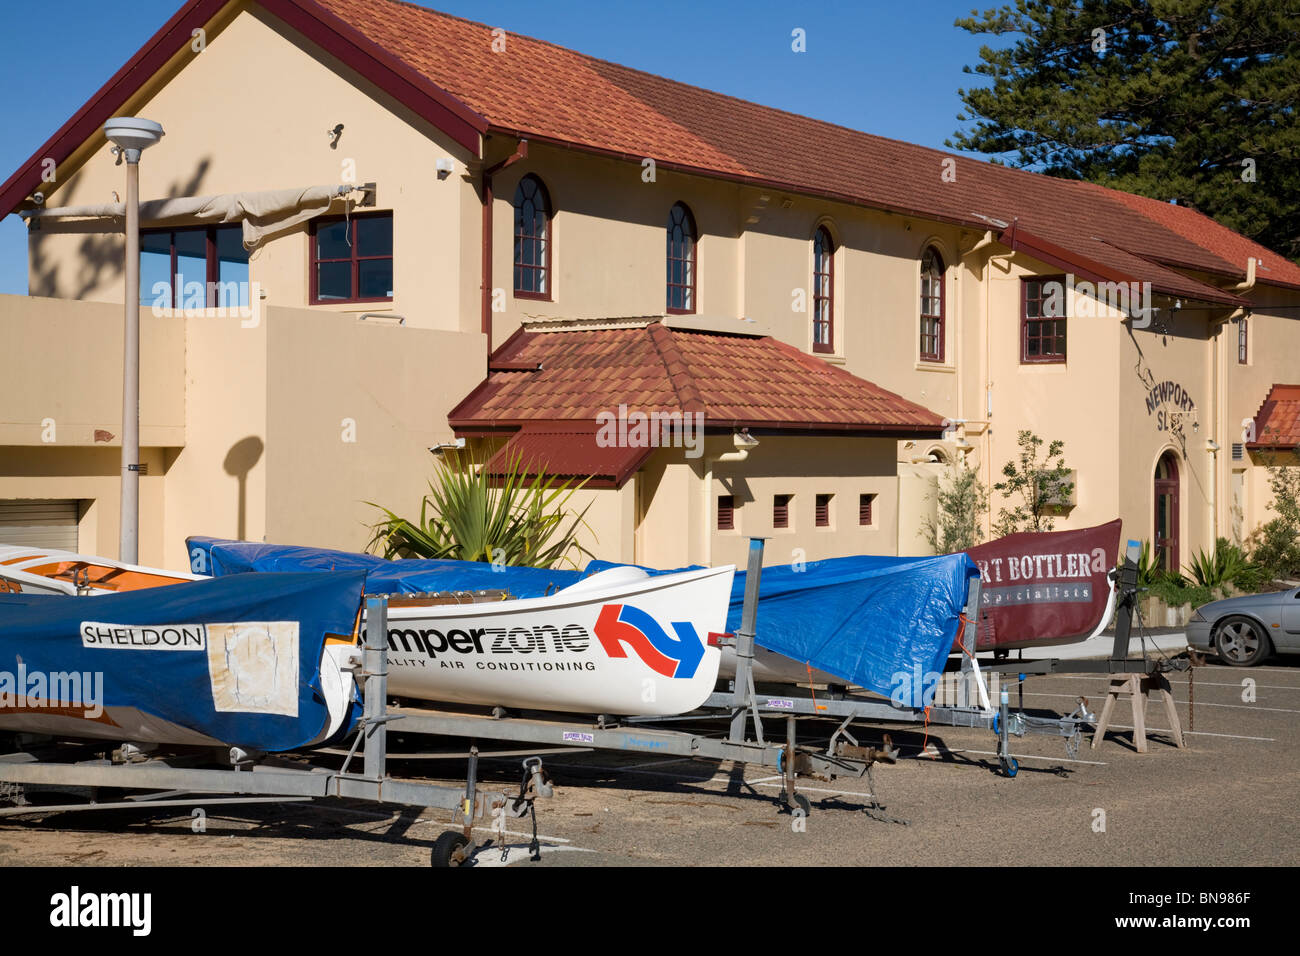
[(521, 152)]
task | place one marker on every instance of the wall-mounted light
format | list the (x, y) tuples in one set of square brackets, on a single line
[(446, 166)]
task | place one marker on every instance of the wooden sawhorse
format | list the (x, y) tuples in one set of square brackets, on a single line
[(1140, 688)]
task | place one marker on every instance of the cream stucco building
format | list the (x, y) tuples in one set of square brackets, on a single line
[(524, 193)]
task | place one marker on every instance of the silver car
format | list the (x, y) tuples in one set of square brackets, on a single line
[(1247, 630)]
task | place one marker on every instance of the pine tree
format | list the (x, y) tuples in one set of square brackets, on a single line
[(1188, 100)]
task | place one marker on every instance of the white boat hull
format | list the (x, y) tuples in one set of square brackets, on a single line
[(620, 642)]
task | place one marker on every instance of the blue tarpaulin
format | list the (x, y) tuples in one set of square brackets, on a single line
[(883, 623), (218, 557), (172, 672)]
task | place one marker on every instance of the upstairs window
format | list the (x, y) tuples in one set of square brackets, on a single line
[(1042, 320), (1243, 341), (823, 288), (681, 260), (532, 240), (932, 304), (352, 259), (202, 268)]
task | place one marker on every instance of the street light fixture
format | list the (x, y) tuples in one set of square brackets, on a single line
[(131, 136)]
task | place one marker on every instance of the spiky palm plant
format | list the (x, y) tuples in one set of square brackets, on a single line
[(469, 515)]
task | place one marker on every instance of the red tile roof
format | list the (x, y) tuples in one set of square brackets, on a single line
[(1277, 423), (590, 103), (444, 69), (733, 380), (569, 453)]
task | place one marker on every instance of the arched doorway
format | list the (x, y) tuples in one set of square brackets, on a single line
[(1166, 527)]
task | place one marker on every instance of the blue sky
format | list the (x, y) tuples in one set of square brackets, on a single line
[(881, 66)]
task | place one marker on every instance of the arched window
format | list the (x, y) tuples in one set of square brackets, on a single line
[(532, 239), (823, 297), (931, 306), (681, 259)]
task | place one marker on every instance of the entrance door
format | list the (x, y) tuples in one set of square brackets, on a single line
[(1166, 530)]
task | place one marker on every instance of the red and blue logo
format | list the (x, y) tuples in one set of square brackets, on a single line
[(664, 653)]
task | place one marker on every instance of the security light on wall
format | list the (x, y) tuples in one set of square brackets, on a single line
[(743, 439), (446, 166), (132, 134)]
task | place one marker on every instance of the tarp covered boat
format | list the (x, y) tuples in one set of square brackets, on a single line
[(883, 623), (617, 642), (258, 661)]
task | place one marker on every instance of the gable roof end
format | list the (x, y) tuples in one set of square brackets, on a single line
[(462, 124)]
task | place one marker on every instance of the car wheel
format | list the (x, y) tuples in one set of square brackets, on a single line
[(1241, 642)]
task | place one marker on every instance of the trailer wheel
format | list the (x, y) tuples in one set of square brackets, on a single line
[(444, 850), (1009, 765)]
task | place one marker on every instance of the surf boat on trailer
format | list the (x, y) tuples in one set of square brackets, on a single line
[(618, 642), (262, 662), (28, 570)]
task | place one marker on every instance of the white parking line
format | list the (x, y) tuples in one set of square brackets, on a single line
[(1192, 733), (1199, 683), (491, 856), (1276, 710), (488, 829)]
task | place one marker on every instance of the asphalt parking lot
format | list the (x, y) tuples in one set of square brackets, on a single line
[(1227, 800)]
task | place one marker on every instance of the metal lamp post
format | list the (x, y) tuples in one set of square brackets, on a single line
[(131, 136)]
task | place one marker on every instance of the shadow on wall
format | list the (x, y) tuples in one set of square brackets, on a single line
[(240, 460), (99, 255)]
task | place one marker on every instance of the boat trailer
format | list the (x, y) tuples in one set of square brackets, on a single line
[(177, 779), (972, 707)]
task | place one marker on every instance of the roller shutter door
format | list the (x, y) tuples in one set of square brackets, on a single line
[(39, 523)]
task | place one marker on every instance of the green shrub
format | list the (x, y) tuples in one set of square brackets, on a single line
[(1175, 590), (1275, 545), (470, 516), (1226, 565), (961, 499)]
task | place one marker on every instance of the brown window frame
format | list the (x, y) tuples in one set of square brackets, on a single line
[(822, 510), (865, 503), (781, 511), (823, 279), (212, 265), (726, 512), (547, 240), (938, 319), (355, 260), (691, 261), (1052, 358)]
